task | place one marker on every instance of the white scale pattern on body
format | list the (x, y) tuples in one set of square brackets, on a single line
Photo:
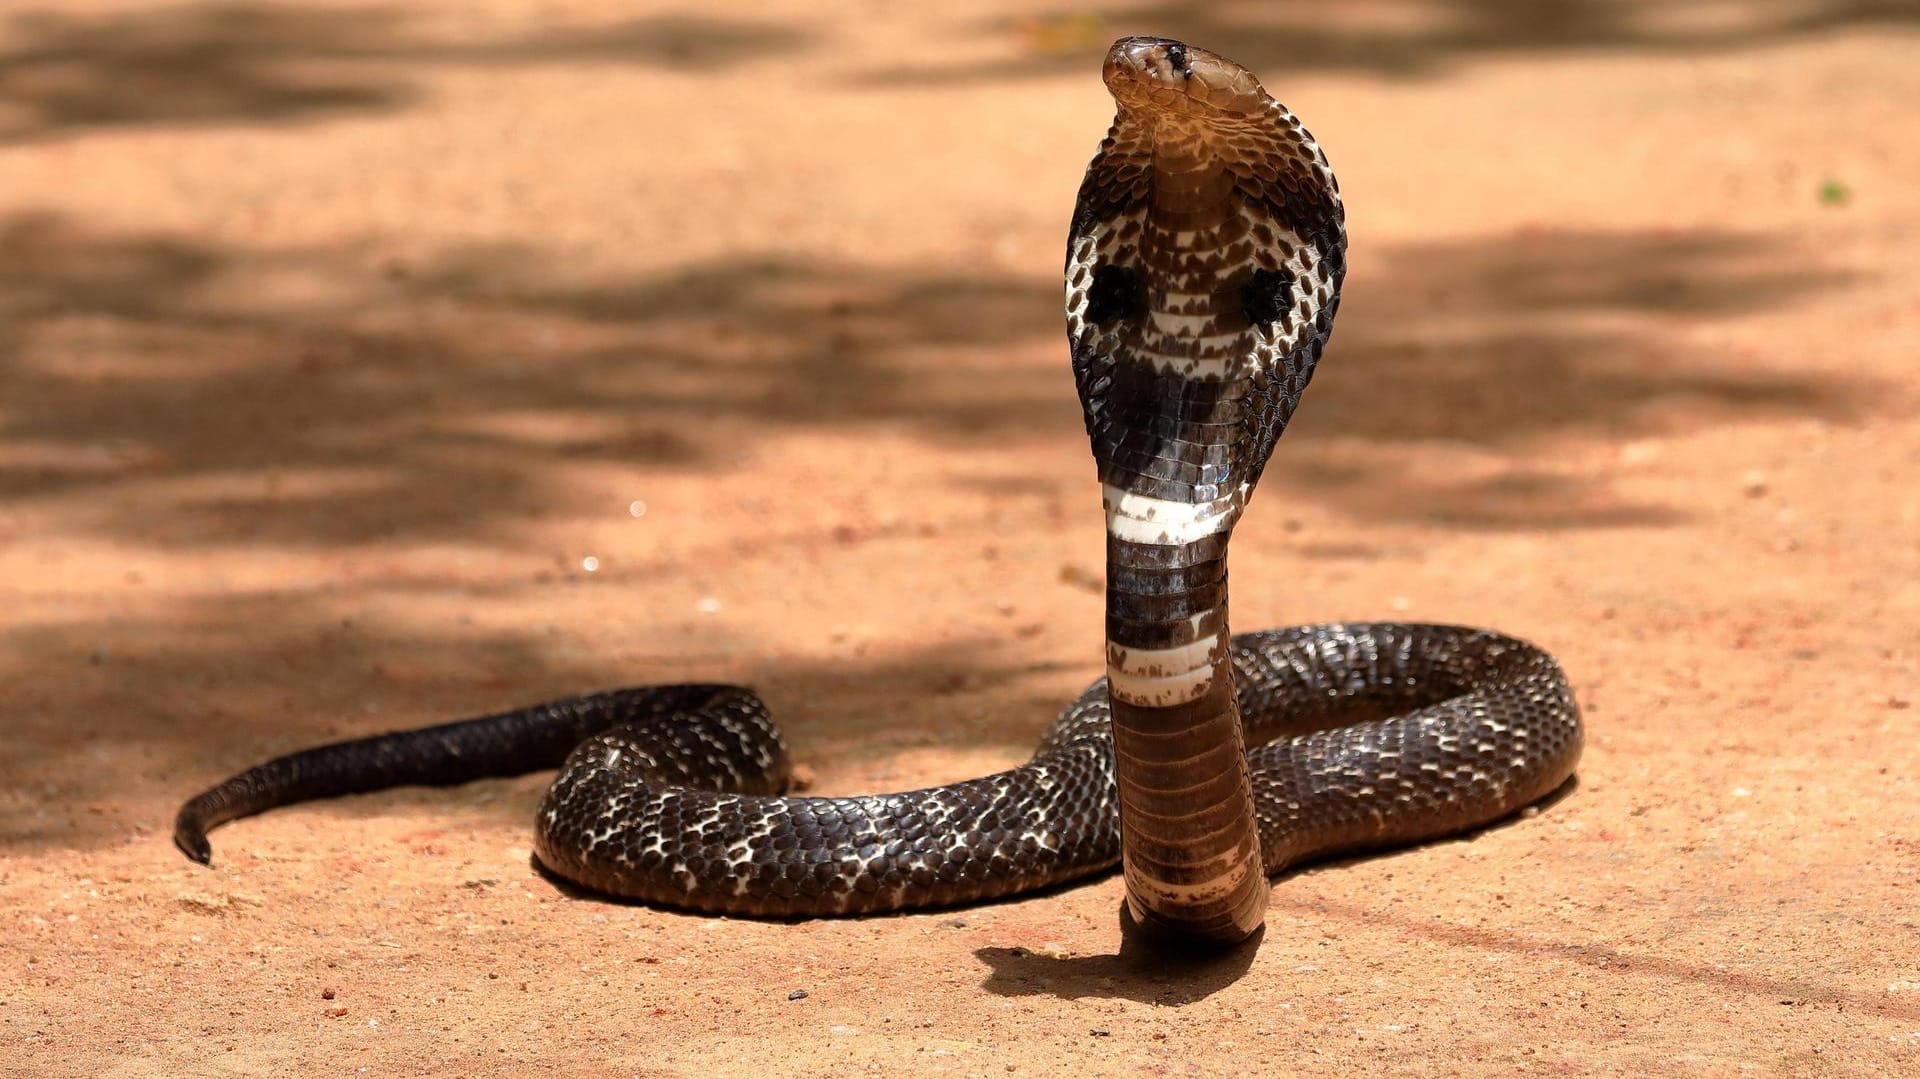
[(1164, 677)]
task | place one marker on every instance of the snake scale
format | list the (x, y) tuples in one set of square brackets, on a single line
[(1204, 265)]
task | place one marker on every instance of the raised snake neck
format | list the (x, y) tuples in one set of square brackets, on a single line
[(1203, 270)]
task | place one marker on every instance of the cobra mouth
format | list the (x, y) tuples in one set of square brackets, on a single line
[(1170, 77)]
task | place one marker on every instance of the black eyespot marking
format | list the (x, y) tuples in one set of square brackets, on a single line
[(1116, 293), (1266, 296)]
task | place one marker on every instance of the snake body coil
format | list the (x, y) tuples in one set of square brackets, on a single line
[(1204, 267)]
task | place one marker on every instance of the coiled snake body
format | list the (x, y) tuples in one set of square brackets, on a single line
[(1204, 265)]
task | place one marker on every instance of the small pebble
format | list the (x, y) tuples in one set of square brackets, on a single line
[(636, 508), (1100, 1032), (797, 994), (707, 605), (1754, 484), (590, 564)]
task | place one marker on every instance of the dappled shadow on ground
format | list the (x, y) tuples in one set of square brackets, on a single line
[(113, 721), (1451, 364), (1416, 39), (160, 391), (226, 63), (309, 397), (233, 63), (329, 395)]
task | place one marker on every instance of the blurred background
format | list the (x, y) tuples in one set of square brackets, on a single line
[(364, 365)]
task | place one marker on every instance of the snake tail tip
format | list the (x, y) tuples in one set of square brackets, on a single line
[(195, 847)]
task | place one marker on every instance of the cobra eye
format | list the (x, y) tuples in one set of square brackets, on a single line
[(1267, 296), (1177, 59), (1116, 293)]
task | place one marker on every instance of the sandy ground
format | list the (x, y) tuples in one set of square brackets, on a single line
[(336, 339)]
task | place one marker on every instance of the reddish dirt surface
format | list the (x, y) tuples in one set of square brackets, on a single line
[(334, 338)]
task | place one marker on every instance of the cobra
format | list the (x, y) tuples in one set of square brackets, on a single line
[(1204, 265)]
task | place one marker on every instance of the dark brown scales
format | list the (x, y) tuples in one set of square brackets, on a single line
[(1466, 700), (1208, 209)]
